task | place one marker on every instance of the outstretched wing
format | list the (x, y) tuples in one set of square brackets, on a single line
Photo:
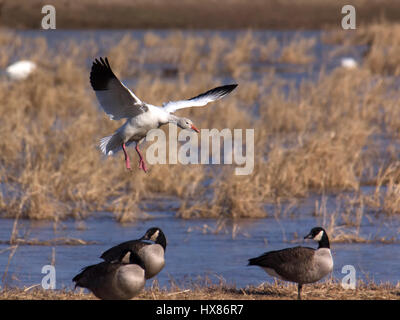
[(200, 100), (115, 98)]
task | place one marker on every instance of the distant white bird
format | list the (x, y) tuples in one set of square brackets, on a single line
[(349, 63), (20, 70), (121, 103)]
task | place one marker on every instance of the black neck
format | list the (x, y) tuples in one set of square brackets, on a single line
[(324, 242), (161, 240), (135, 259)]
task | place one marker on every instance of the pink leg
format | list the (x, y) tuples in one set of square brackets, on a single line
[(142, 164), (127, 162)]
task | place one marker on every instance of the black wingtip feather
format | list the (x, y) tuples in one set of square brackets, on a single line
[(218, 92), (101, 74), (227, 89)]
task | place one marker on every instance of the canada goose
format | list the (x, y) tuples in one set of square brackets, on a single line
[(152, 254), (121, 103), (299, 264), (115, 280)]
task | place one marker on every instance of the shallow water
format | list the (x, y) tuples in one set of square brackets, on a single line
[(106, 38), (194, 250)]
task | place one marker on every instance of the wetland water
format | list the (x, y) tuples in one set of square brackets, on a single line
[(194, 250)]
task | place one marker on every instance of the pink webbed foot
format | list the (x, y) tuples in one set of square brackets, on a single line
[(127, 162), (142, 165), (128, 165)]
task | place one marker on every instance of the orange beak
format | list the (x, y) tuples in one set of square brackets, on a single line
[(195, 129)]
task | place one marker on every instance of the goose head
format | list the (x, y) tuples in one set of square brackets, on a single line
[(155, 234), (185, 123), (319, 234)]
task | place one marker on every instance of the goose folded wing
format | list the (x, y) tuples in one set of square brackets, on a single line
[(115, 98), (288, 263), (201, 99), (115, 253), (91, 276)]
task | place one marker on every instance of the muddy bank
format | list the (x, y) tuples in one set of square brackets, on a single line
[(208, 14)]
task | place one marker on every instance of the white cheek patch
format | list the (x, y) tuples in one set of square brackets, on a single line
[(318, 237), (155, 236), (126, 258)]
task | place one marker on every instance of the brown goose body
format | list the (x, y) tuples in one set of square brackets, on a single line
[(115, 280), (151, 253), (301, 265)]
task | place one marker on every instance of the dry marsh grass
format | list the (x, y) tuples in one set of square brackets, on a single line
[(55, 241), (317, 137), (277, 291), (383, 46), (381, 42), (298, 51), (385, 197)]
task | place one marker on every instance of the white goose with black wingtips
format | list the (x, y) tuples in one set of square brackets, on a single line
[(299, 264), (121, 103), (151, 253)]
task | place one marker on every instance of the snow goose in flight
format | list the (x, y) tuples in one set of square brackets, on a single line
[(121, 103)]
